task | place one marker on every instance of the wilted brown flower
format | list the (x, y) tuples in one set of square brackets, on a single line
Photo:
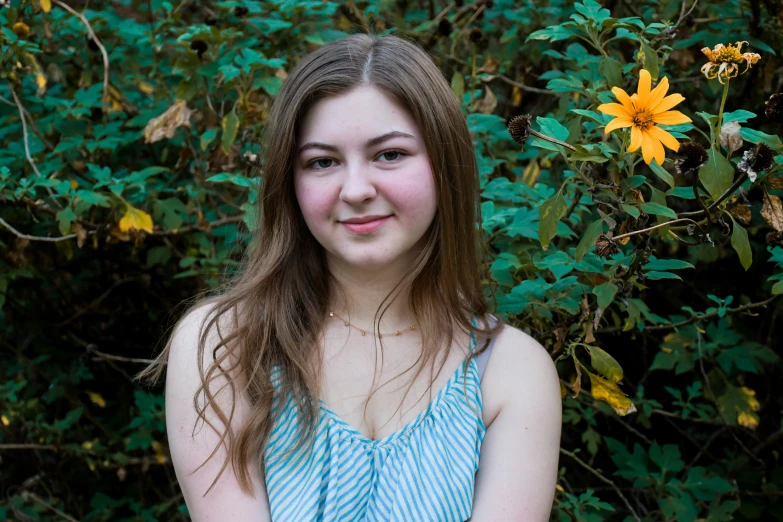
[(21, 29), (774, 108), (605, 246), (200, 46), (240, 10), (444, 27), (693, 157), (475, 35), (774, 238), (519, 128), (755, 160), (724, 61)]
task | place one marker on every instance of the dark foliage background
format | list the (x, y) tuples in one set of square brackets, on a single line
[(128, 134)]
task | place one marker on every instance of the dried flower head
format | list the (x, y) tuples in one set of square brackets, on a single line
[(724, 61), (200, 46), (445, 27), (240, 10), (21, 29), (605, 246), (774, 108), (693, 157), (755, 160), (641, 112), (519, 128)]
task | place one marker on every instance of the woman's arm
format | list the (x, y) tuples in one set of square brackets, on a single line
[(520, 452), (225, 500)]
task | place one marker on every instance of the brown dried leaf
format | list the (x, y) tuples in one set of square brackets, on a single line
[(772, 212), (775, 183), (741, 213), (165, 125), (487, 104)]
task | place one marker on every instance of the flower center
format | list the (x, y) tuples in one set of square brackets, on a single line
[(643, 119), (729, 54)]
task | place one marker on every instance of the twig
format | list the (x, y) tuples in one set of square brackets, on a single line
[(648, 229), (48, 447), (37, 238), (29, 495), (192, 228), (715, 399), (694, 318), (505, 78), (98, 300), (683, 14), (102, 355), (603, 479), (723, 196), (95, 39)]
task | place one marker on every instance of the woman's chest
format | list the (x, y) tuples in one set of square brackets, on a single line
[(366, 384)]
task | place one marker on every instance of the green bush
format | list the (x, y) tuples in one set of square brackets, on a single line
[(129, 175)]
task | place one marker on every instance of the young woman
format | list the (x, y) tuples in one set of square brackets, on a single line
[(345, 375)]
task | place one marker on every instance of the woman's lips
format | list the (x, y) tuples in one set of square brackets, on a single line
[(366, 228)]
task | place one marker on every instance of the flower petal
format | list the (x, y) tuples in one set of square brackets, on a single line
[(671, 118), (658, 152), (648, 149), (643, 90), (667, 103), (665, 138), (617, 123), (658, 93), (636, 139), (614, 109), (623, 98)]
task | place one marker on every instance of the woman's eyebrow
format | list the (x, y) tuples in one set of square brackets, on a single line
[(372, 142)]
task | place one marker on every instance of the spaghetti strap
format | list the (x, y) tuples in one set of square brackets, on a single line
[(483, 358)]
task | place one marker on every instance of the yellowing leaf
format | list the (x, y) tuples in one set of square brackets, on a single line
[(738, 405), (97, 399), (160, 453), (46, 5), (87, 445), (605, 364), (146, 88), (5, 420), (607, 391), (135, 219)]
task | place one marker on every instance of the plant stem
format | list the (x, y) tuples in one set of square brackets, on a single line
[(716, 133)]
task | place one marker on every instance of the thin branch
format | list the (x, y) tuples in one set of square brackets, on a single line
[(38, 238), (25, 136), (48, 447), (110, 357), (29, 495), (603, 479), (95, 39), (694, 318), (723, 196)]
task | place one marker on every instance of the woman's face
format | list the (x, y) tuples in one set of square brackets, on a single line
[(363, 180)]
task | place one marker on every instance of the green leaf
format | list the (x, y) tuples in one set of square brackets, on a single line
[(458, 85), (655, 276), (754, 136), (594, 230), (662, 173), (666, 264), (631, 210), (549, 214), (230, 126), (605, 294), (605, 364), (777, 288), (657, 209), (740, 243), (612, 70), (740, 116), (667, 457), (717, 174), (207, 138), (64, 219), (649, 59), (235, 179)]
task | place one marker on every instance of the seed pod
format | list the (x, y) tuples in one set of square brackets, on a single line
[(519, 128)]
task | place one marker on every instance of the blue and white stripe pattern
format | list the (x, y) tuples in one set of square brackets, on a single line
[(423, 472)]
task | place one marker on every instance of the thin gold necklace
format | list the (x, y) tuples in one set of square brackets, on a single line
[(364, 332)]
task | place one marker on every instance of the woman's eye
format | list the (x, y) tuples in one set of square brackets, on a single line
[(319, 163), (395, 153)]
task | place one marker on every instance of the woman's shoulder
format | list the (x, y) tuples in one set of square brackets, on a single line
[(519, 369)]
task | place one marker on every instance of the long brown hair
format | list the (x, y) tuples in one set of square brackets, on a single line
[(278, 299)]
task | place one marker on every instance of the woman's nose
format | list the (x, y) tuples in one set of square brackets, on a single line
[(357, 184)]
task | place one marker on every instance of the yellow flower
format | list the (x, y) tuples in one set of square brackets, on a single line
[(135, 219), (724, 61), (641, 112)]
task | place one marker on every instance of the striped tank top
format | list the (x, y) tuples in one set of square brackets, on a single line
[(423, 472)]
